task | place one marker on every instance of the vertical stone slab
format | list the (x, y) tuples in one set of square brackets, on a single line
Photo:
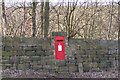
[(0, 56), (0, 40), (80, 67), (53, 47)]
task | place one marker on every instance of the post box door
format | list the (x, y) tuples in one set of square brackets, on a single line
[(59, 48)]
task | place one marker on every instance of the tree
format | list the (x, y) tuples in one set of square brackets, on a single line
[(22, 28), (80, 20), (42, 17), (34, 18), (110, 22), (46, 17), (5, 24), (119, 28), (70, 18)]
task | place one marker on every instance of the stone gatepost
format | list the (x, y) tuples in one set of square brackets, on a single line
[(58, 62)]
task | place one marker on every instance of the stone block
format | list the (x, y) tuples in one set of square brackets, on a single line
[(27, 48), (24, 59), (86, 67), (28, 65), (59, 34), (6, 66), (80, 67), (16, 47), (80, 52), (63, 69), (21, 66), (37, 67), (47, 61), (43, 68), (79, 59), (20, 53), (60, 63), (73, 68), (50, 62), (35, 58), (3, 67), (46, 45), (47, 53), (7, 48), (47, 66), (30, 53), (40, 53), (42, 62), (5, 62), (5, 57)]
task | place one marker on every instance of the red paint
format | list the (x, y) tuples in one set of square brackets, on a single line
[(59, 48)]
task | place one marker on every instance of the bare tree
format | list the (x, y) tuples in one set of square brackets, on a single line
[(69, 17), (34, 18), (22, 28), (46, 17), (42, 17), (85, 20), (110, 21), (4, 18), (119, 28)]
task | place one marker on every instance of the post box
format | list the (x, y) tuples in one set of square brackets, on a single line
[(59, 48)]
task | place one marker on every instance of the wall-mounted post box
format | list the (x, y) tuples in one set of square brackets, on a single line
[(59, 47)]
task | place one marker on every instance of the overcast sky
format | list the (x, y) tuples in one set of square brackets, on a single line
[(12, 1), (55, 1)]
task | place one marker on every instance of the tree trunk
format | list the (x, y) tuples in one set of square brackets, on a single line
[(46, 21), (22, 27), (34, 18), (4, 18), (42, 17), (110, 23), (119, 28)]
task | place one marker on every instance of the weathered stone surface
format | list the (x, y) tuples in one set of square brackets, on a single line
[(50, 62), (30, 53), (6, 66), (80, 67), (24, 57), (21, 67), (87, 51), (60, 63), (63, 69), (40, 53), (73, 68), (5, 61), (35, 58)]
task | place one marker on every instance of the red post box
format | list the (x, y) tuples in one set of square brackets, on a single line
[(59, 48)]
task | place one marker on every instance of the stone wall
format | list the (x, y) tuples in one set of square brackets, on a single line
[(38, 54)]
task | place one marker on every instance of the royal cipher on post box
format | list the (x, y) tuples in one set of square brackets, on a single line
[(59, 48)]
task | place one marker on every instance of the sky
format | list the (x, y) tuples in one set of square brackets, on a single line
[(12, 2)]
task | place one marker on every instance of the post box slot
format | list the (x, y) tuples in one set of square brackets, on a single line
[(59, 40)]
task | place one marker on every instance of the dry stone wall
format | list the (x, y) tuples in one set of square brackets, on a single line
[(38, 54)]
